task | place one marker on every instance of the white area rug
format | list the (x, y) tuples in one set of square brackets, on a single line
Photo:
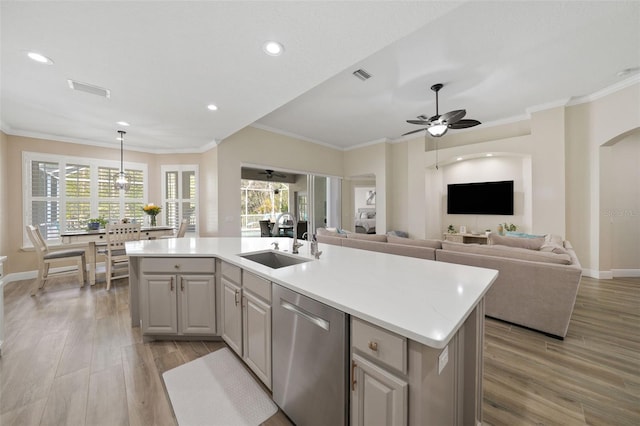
[(217, 390)]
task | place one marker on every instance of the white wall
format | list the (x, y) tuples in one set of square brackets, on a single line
[(620, 203), (488, 169), (252, 146)]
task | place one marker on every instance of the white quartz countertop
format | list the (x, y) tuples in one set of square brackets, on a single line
[(423, 300)]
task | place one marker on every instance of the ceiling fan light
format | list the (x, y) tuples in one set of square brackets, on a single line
[(437, 130)]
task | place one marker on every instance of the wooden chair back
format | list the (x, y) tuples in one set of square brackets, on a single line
[(183, 228), (120, 233), (38, 242)]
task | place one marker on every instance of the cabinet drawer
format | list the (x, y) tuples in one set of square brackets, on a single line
[(231, 272), (191, 265), (384, 346), (257, 285)]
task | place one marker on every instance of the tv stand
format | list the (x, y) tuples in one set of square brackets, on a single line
[(467, 238)]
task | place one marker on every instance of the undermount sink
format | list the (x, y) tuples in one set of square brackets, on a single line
[(273, 259)]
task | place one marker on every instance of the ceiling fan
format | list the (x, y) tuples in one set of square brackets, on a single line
[(439, 124), (270, 174)]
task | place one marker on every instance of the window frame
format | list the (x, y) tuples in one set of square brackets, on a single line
[(180, 168), (63, 160)]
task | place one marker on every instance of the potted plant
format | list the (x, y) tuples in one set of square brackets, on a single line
[(94, 224), (451, 229), (152, 210), (509, 227)]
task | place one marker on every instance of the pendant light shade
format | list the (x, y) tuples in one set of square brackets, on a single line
[(121, 181)]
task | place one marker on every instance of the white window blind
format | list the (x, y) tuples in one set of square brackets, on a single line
[(180, 195), (61, 193)]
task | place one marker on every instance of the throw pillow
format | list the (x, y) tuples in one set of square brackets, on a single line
[(523, 235), (527, 243), (553, 248)]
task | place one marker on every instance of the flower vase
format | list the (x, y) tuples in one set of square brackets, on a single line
[(153, 220)]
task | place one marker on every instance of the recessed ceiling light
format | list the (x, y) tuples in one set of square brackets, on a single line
[(459, 159), (489, 155), (38, 57), (212, 107), (273, 48), (123, 123)]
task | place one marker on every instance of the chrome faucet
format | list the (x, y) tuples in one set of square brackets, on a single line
[(296, 244)]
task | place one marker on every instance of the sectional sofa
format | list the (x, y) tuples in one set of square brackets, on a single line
[(538, 277)]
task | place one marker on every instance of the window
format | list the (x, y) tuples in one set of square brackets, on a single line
[(63, 193), (180, 195), (261, 200)]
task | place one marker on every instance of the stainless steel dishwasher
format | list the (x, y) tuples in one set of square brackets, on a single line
[(310, 359)]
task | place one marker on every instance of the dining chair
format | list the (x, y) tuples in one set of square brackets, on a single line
[(117, 261), (265, 228), (182, 229), (47, 257)]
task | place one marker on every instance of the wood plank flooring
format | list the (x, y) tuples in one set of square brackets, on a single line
[(592, 377), (71, 357)]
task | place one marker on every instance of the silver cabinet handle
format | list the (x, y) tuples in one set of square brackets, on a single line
[(182, 283), (171, 283), (236, 296), (322, 323)]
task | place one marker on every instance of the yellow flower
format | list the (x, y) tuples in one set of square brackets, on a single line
[(151, 209)]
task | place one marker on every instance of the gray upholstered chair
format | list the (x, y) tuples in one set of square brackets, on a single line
[(47, 257)]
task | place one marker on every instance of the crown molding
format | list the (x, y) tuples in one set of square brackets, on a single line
[(635, 79), (293, 135)]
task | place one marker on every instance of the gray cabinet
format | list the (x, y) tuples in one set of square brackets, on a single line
[(246, 318), (232, 315), (177, 297), (256, 325), (379, 391), (378, 396)]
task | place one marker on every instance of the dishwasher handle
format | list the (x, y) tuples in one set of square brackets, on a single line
[(320, 322)]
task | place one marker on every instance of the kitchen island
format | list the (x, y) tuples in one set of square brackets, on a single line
[(430, 313)]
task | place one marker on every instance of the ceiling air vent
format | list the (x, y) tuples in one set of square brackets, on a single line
[(362, 74), (89, 88)]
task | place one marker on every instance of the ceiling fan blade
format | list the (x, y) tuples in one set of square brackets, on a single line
[(413, 131), (453, 116), (420, 122), (463, 124)]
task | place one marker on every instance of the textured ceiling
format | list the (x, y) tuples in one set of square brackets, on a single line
[(165, 61)]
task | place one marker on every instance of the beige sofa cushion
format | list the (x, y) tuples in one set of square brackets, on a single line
[(525, 243), (327, 233), (368, 237), (509, 252), (411, 242)]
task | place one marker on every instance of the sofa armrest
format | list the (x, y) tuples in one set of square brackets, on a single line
[(533, 294)]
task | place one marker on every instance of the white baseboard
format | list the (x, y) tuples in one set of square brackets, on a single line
[(626, 272), (608, 275), (19, 276), (29, 275), (599, 275)]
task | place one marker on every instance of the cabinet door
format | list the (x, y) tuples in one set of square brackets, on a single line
[(257, 336), (377, 396), (232, 315), (158, 303), (197, 304)]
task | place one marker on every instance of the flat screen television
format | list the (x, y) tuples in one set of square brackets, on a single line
[(480, 198)]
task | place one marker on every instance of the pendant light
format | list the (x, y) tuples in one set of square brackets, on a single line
[(121, 181)]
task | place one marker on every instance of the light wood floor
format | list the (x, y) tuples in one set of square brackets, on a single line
[(71, 357)]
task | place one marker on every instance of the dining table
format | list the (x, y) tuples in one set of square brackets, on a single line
[(95, 239)]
